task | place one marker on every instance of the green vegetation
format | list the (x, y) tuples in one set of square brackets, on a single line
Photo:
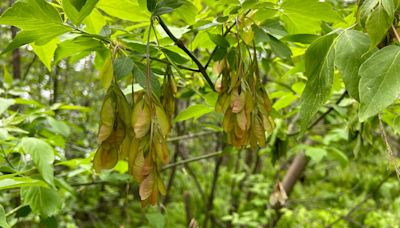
[(199, 113)]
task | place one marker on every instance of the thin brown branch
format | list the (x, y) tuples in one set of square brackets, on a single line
[(321, 117), (190, 160), (179, 66), (210, 203), (388, 147), (190, 136), (180, 44), (227, 31), (396, 34)]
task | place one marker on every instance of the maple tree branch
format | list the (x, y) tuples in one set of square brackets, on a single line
[(182, 46)]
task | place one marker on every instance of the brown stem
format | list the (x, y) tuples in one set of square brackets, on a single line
[(210, 203), (190, 160), (16, 54), (322, 116), (180, 44), (186, 202)]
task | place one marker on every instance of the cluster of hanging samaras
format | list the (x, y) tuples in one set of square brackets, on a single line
[(244, 102), (137, 133)]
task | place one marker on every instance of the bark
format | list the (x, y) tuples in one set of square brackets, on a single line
[(16, 55), (293, 174)]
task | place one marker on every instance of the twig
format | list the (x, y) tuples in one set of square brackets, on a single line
[(190, 136), (210, 155), (90, 183), (322, 116), (6, 157), (210, 203), (396, 34), (14, 210), (28, 68), (171, 177), (228, 30), (388, 147), (180, 44), (283, 85), (179, 66)]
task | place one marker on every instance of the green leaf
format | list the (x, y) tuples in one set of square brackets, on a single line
[(316, 154), (17, 182), (305, 16), (124, 9), (8, 78), (42, 201), (339, 156), (350, 48), (95, 22), (219, 40), (279, 48), (3, 219), (175, 57), (76, 46), (140, 77), (77, 10), (377, 25), (365, 10), (319, 63), (42, 155), (39, 21), (187, 12), (194, 111), (106, 73), (380, 82), (46, 52), (5, 104), (123, 66), (151, 5), (59, 127), (156, 220), (389, 6), (162, 10), (300, 38)]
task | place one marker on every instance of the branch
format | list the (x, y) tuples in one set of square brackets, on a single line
[(89, 183), (210, 203), (210, 155), (388, 147), (322, 116), (180, 44), (190, 136), (396, 34), (179, 66), (28, 68), (228, 30)]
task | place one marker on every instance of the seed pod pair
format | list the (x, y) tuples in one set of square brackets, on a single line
[(149, 150), (114, 125), (245, 104)]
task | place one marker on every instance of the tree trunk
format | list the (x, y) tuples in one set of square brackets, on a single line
[(16, 55)]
